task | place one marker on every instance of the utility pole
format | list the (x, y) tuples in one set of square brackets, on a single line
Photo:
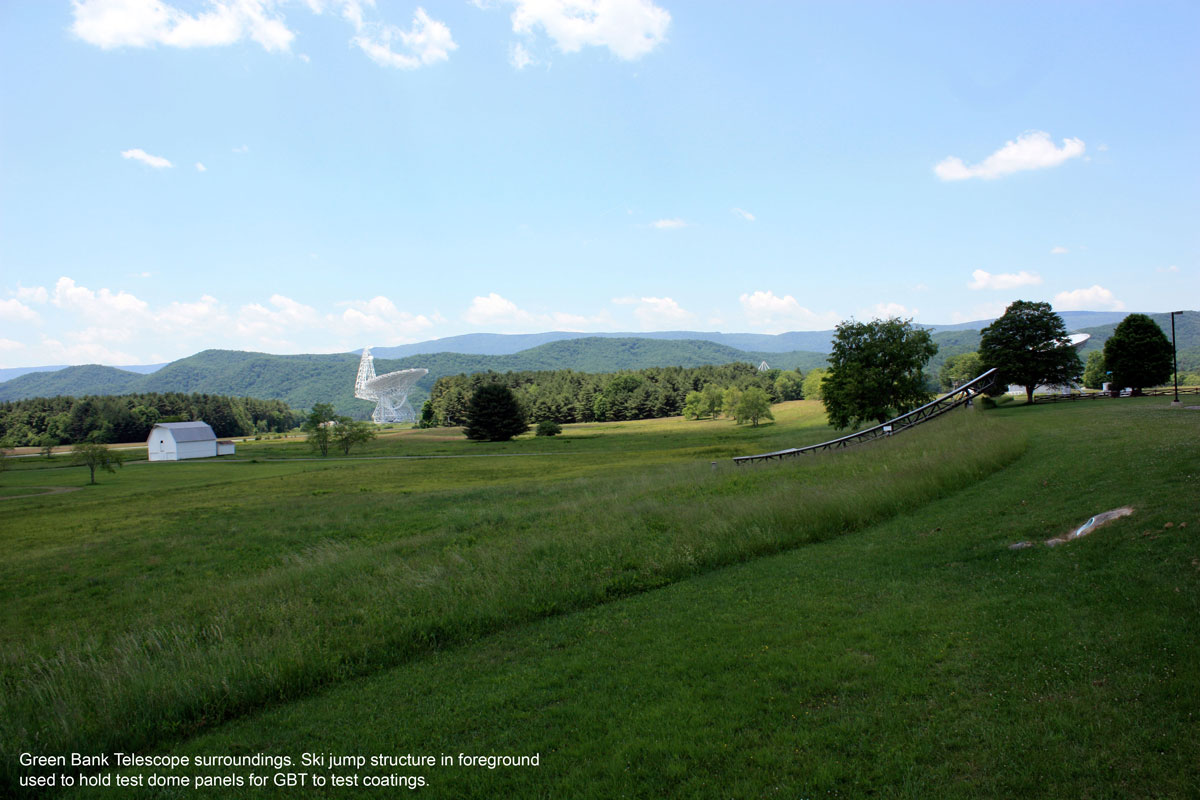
[(1175, 357)]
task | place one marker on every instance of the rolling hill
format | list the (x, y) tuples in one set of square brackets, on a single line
[(304, 380)]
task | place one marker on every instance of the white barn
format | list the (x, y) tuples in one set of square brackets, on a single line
[(175, 441)]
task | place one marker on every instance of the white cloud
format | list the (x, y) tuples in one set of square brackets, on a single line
[(519, 57), (380, 318), (145, 23), (1058, 251), (427, 42), (138, 154), (1171, 268), (1032, 150), (34, 294), (495, 310), (499, 312), (271, 326), (104, 306), (746, 215), (10, 345), (983, 280), (668, 224), (887, 311), (1008, 280), (628, 28), (1092, 299), (16, 311), (242, 149), (776, 314), (200, 167), (654, 312)]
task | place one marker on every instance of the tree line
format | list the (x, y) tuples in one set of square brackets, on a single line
[(50, 421), (566, 396)]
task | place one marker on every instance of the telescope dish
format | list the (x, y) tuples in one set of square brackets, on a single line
[(389, 391)]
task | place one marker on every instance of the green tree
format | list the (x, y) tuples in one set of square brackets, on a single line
[(730, 399), (1029, 346), (753, 405), (1138, 353), (548, 427), (812, 383), (350, 433), (319, 427), (494, 415), (94, 455), (958, 370), (428, 416), (691, 405), (1094, 372), (789, 385), (710, 400), (875, 371)]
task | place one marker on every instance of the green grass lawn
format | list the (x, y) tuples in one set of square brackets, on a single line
[(614, 605)]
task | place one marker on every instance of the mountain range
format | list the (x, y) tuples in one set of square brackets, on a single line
[(303, 380)]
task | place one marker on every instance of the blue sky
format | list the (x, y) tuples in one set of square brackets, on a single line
[(316, 176)]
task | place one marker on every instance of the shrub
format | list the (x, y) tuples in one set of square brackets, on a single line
[(548, 427)]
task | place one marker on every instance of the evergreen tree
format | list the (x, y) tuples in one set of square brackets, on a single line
[(494, 415)]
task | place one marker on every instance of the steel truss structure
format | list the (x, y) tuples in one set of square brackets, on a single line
[(960, 396)]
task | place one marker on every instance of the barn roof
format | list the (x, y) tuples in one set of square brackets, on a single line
[(189, 431)]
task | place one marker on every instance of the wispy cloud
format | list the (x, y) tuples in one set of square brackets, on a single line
[(138, 154), (668, 224), (1010, 280), (628, 28), (519, 57), (146, 23), (1171, 268), (744, 214), (200, 167), (1032, 150), (1058, 251), (427, 42)]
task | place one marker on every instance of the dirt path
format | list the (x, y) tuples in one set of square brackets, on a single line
[(51, 490)]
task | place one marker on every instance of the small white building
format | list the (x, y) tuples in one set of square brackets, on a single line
[(175, 441)]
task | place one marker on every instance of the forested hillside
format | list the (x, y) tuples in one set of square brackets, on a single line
[(49, 421), (304, 380)]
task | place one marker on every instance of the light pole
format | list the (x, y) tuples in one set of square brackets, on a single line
[(1175, 357)]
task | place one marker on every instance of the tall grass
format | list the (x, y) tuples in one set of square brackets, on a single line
[(485, 559)]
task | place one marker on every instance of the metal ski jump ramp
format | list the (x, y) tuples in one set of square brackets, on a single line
[(941, 405)]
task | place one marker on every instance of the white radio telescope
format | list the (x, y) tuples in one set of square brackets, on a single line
[(390, 391)]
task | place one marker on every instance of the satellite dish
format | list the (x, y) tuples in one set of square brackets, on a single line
[(389, 391)]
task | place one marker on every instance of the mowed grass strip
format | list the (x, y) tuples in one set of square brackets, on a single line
[(919, 657), (131, 622)]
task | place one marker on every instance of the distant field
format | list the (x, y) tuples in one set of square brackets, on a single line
[(578, 597)]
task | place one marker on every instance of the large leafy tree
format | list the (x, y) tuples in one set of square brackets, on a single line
[(875, 371), (1138, 353), (753, 405), (1029, 345), (494, 415), (319, 427)]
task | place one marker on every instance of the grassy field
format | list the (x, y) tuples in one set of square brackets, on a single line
[(609, 600)]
